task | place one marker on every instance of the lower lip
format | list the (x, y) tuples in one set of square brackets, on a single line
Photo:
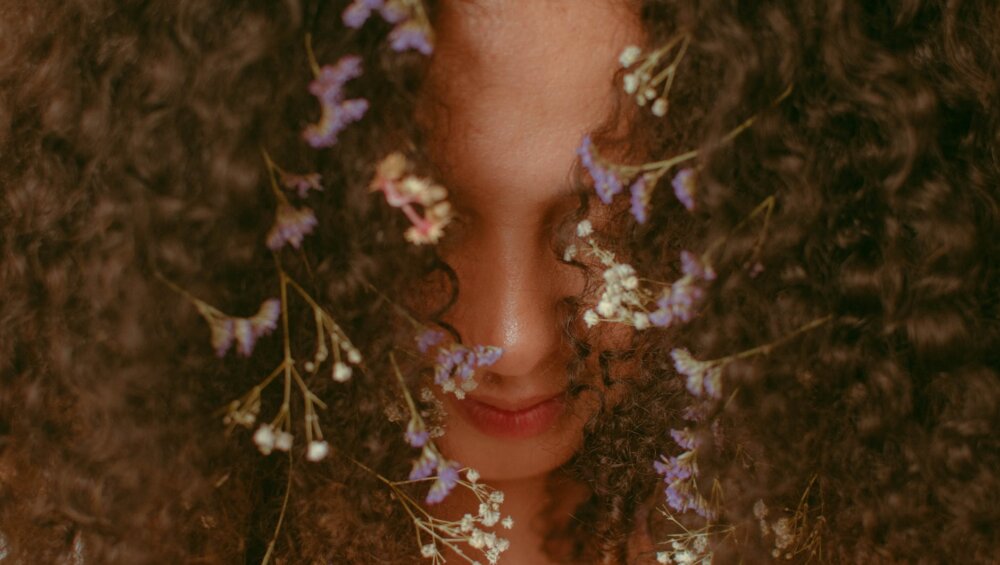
[(531, 421)]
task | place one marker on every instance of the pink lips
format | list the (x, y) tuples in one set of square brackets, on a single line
[(534, 418)]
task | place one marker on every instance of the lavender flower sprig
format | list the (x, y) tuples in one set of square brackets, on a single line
[(291, 224), (412, 28), (336, 113), (434, 533)]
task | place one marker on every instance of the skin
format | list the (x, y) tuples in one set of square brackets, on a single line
[(512, 89)]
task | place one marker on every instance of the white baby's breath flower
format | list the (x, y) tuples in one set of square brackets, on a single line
[(496, 497), (660, 107), (467, 523), (341, 372), (354, 356), (282, 440), (584, 229), (640, 321), (429, 550), (630, 83), (629, 56), (317, 450), (663, 557), (264, 438), (472, 475), (591, 318), (507, 523), (569, 254)]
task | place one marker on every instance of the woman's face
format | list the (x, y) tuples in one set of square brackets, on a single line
[(513, 87)]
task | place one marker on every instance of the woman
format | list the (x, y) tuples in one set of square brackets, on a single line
[(841, 212)]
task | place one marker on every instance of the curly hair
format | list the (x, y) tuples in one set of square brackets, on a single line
[(131, 136)]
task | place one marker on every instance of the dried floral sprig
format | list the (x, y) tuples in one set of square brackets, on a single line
[(642, 83), (627, 299), (407, 191), (336, 112), (797, 535), (291, 224), (691, 546), (434, 533), (412, 27)]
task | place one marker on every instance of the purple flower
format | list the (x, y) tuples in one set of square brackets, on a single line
[(428, 339), (606, 183), (416, 434), (410, 35), (424, 466), (703, 378), (693, 266), (684, 438), (245, 336), (462, 362), (336, 113), (640, 199), (487, 355), (265, 320), (677, 303), (685, 185), (675, 468), (222, 335), (359, 11), (301, 183), (291, 226), (447, 478)]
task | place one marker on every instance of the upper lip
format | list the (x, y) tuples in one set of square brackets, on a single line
[(515, 404)]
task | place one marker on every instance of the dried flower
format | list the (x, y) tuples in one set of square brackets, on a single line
[(456, 366), (416, 433), (317, 450), (704, 379), (291, 226), (360, 10), (629, 56), (447, 478), (283, 440), (336, 113), (243, 331), (428, 339), (405, 191), (685, 187), (264, 438), (342, 372), (640, 199), (606, 182), (301, 183), (411, 35), (584, 229)]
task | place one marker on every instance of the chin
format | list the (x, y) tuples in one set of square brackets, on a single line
[(511, 445)]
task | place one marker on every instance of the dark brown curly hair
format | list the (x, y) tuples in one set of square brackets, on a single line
[(130, 136)]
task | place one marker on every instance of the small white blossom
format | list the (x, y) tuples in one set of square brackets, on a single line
[(591, 318), (569, 254), (429, 550), (317, 450), (640, 321), (472, 475), (584, 228), (354, 356), (264, 438), (631, 83), (341, 372), (282, 440), (507, 523), (629, 56), (660, 107)]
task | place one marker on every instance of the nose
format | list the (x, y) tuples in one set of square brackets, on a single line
[(510, 286)]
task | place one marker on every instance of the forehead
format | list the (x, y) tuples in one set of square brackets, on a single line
[(514, 85)]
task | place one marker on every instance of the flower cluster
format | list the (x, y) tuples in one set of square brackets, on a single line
[(703, 378), (412, 29), (642, 83), (291, 224), (471, 529), (680, 473), (337, 112), (405, 191), (610, 179), (455, 364), (243, 331), (625, 300)]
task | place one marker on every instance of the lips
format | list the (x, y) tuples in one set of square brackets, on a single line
[(507, 419)]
